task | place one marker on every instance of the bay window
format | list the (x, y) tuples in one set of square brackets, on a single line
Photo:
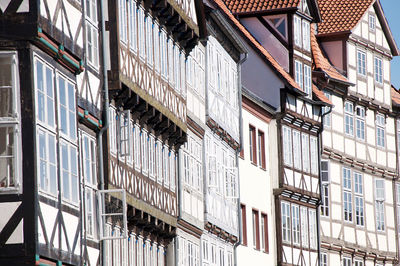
[(297, 31), (10, 142)]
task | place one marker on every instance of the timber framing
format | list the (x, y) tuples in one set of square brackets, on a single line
[(213, 229)]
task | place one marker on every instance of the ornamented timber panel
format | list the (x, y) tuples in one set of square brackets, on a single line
[(150, 86), (142, 188)]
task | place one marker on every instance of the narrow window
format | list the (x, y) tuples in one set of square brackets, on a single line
[(358, 263), (347, 195), (261, 149), (361, 63), (380, 130), (312, 219), (285, 219), (359, 198), (325, 200), (314, 155), (244, 224), (296, 149), (299, 73), (378, 70), (304, 226), (360, 123), (256, 230), (349, 118), (398, 203), (122, 21), (132, 25), (287, 145), (307, 80), (297, 31), (379, 204), (296, 224), (305, 147), (252, 144), (264, 233), (326, 109), (324, 259), (347, 262), (371, 22), (306, 35)]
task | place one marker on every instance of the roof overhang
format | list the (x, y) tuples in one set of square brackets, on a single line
[(385, 27)]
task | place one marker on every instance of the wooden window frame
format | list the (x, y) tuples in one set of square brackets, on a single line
[(244, 224), (261, 148), (264, 217), (256, 228), (253, 144)]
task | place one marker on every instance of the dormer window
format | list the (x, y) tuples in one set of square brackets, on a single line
[(371, 22), (297, 31), (301, 33)]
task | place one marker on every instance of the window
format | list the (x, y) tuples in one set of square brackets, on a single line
[(305, 147), (287, 145), (378, 70), (88, 172), (47, 161), (124, 133), (141, 32), (361, 63), (325, 178), (325, 200), (285, 212), (264, 233), (297, 31), (380, 130), (10, 143), (379, 204), (398, 203), (347, 196), (132, 25), (122, 21), (347, 262), (295, 224), (312, 219), (112, 133), (314, 155), (358, 263), (299, 73), (252, 144), (371, 22), (307, 80), (324, 259), (244, 224), (306, 36), (304, 227), (296, 150), (66, 107), (69, 172), (359, 198), (92, 34), (360, 123), (192, 161), (149, 40), (326, 110), (349, 118), (261, 149), (256, 230)]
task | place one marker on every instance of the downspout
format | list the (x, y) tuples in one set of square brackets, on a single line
[(105, 113), (320, 184), (239, 70)]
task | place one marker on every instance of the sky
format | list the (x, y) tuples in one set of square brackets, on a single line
[(392, 13)]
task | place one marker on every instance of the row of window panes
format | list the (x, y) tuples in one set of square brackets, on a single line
[(214, 253), (133, 251), (299, 225), (257, 147), (222, 173), (305, 83), (141, 150), (146, 38), (188, 253), (302, 33), (195, 73), (10, 137), (48, 84), (192, 161), (362, 66), (222, 73), (300, 150), (359, 117)]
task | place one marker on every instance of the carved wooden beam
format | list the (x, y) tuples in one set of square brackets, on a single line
[(160, 127), (149, 112), (157, 118), (168, 131)]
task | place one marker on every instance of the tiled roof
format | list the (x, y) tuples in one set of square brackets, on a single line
[(245, 6), (321, 62), (395, 95), (320, 95), (341, 15), (261, 49)]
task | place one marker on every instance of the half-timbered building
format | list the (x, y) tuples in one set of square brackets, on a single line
[(358, 165), (51, 102), (150, 69)]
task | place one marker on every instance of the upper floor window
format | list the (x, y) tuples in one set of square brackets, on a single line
[(287, 145), (347, 261), (191, 155), (380, 204), (349, 118), (261, 149), (371, 22), (264, 232), (326, 109), (244, 224), (297, 31), (398, 203), (360, 122), (361, 63), (122, 20), (380, 130), (285, 213), (299, 73), (359, 198), (66, 107), (307, 80), (324, 259), (252, 144), (347, 195), (378, 70), (92, 35), (306, 35), (358, 263), (256, 229), (10, 146), (132, 14)]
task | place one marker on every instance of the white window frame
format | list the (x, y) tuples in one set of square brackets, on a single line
[(297, 160), (285, 216), (297, 31), (307, 81), (66, 171), (306, 36), (287, 145), (371, 22), (122, 21), (324, 259), (361, 63), (360, 122), (326, 109), (380, 130), (70, 133), (347, 194), (380, 204), (124, 136), (132, 14), (378, 70), (359, 199), (349, 118), (298, 66), (304, 226), (295, 224), (13, 179), (346, 261), (305, 151), (314, 155), (92, 38), (50, 160), (312, 221)]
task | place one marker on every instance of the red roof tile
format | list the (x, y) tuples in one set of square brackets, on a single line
[(395, 95), (321, 62), (261, 49), (320, 95), (341, 15), (245, 6)]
